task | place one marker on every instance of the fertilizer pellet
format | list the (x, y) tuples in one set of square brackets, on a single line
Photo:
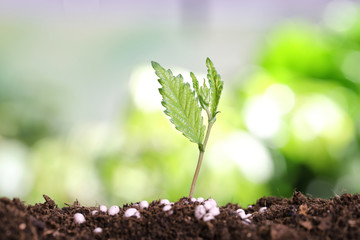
[(132, 212), (103, 208), (214, 211), (144, 204), (242, 214), (200, 211), (200, 199), (113, 210), (247, 221), (210, 203), (79, 218), (166, 208), (262, 209), (164, 201), (208, 217)]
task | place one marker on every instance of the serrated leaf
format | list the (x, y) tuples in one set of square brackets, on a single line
[(195, 82), (200, 92), (180, 104), (216, 87), (205, 93)]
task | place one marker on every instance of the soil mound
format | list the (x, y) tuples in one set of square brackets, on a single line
[(299, 217)]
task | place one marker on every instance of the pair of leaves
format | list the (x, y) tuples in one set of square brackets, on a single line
[(209, 97), (183, 106)]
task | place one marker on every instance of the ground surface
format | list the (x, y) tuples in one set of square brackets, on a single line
[(296, 218)]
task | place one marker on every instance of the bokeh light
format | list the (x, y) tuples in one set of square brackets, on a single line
[(81, 116)]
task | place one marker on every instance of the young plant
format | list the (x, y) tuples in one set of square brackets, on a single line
[(184, 106)]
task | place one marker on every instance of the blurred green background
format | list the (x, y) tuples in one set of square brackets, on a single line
[(81, 118)]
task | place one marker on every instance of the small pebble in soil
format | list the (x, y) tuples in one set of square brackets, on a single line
[(94, 212), (103, 208), (200, 199), (113, 210), (262, 209), (200, 211), (98, 230), (208, 217), (164, 201), (144, 204), (132, 212), (79, 218)]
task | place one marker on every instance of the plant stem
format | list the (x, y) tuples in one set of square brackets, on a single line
[(201, 156)]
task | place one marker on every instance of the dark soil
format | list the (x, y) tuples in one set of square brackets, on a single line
[(299, 217)]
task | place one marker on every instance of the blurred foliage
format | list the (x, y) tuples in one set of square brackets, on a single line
[(292, 123)]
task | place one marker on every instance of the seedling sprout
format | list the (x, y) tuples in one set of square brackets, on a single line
[(184, 106)]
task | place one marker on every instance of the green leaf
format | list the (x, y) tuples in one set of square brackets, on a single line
[(205, 93), (180, 104), (216, 87), (195, 83), (202, 92)]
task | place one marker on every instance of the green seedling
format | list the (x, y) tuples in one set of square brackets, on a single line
[(184, 106)]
